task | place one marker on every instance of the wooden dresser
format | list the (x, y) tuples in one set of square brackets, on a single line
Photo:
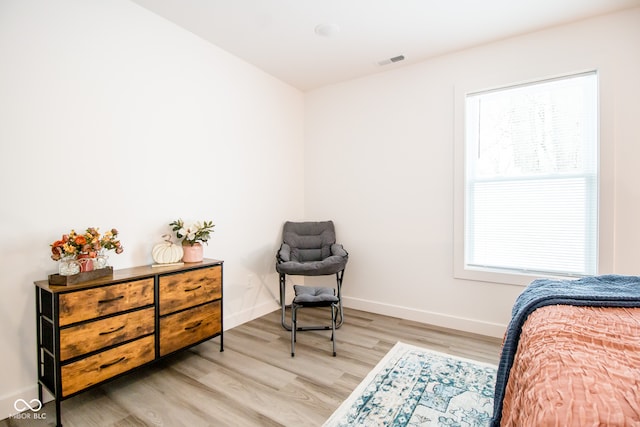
[(95, 331)]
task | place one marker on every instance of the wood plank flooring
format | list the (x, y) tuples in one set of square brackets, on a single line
[(255, 381)]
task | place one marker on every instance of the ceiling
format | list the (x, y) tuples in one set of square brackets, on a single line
[(278, 35)]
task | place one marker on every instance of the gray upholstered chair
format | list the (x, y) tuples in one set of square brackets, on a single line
[(310, 249)]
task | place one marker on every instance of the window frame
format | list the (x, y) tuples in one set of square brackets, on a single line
[(522, 278)]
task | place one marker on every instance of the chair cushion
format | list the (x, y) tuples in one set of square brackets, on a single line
[(309, 241), (312, 295), (309, 249), (330, 265)]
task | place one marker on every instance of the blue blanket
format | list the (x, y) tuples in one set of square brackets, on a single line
[(597, 291)]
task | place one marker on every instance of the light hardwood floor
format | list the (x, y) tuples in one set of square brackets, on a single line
[(255, 381)]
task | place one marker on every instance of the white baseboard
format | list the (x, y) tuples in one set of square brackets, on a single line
[(244, 316), (432, 318)]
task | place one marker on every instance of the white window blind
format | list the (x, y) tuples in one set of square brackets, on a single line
[(531, 177)]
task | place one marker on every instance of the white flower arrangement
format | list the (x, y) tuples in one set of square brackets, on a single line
[(199, 231)]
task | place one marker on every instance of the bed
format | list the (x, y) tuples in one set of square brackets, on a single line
[(571, 355)]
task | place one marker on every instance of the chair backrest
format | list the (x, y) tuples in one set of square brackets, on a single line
[(309, 241)]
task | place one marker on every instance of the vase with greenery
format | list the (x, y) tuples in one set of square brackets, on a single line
[(192, 237)]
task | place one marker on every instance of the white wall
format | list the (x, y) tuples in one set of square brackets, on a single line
[(379, 160), (111, 116)]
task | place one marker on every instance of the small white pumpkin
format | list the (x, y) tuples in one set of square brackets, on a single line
[(167, 252)]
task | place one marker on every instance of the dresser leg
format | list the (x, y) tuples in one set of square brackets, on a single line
[(58, 414)]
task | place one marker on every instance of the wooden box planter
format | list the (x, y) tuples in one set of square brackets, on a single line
[(85, 276)]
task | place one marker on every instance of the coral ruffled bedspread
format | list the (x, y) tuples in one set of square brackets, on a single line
[(576, 366)]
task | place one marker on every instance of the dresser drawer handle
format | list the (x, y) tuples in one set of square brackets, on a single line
[(104, 301), (188, 328), (193, 289), (112, 331), (106, 365)]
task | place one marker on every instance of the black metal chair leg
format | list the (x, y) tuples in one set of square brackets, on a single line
[(294, 321), (283, 304), (339, 276), (333, 327)]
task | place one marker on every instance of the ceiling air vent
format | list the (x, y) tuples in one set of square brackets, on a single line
[(391, 60)]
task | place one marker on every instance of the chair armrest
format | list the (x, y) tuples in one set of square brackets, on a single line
[(338, 250), (284, 253)]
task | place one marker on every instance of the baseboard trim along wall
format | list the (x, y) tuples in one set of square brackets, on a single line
[(244, 316), (495, 330)]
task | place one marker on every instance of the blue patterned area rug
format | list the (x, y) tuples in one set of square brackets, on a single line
[(413, 386)]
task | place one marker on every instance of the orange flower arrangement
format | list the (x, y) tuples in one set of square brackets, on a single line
[(89, 243)]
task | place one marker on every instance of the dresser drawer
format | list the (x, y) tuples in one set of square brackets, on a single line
[(84, 373), (95, 302), (190, 288), (188, 327), (87, 337)]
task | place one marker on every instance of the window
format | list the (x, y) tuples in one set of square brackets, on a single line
[(531, 178)]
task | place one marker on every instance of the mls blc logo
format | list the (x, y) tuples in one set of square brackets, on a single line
[(22, 405), (34, 405)]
